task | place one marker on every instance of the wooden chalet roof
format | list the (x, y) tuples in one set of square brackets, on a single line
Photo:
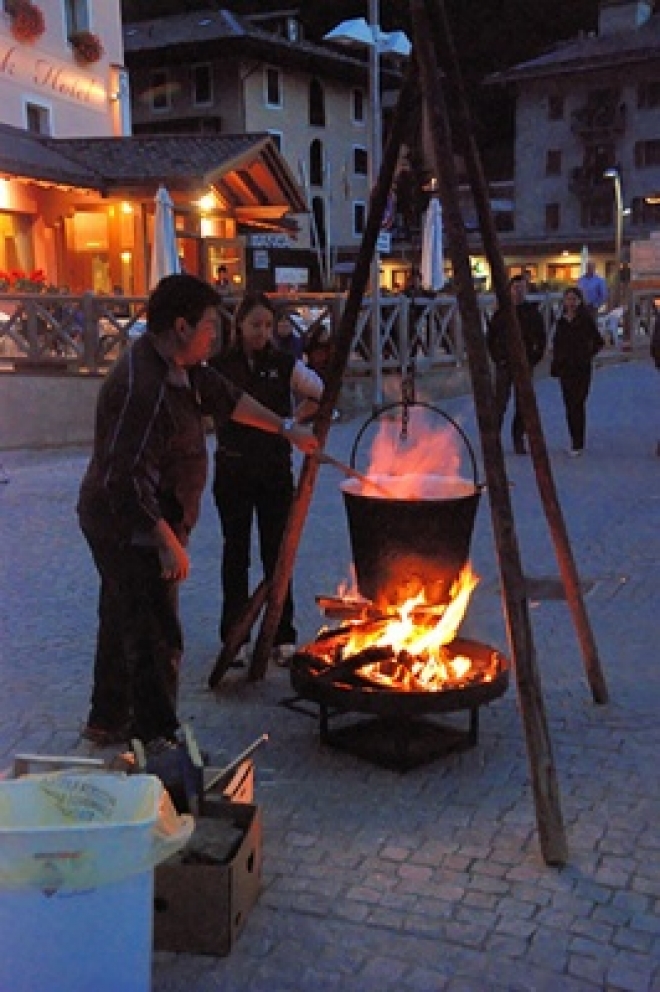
[(247, 171), (639, 45), (22, 154), (211, 33)]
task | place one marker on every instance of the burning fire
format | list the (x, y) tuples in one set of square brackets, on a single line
[(410, 466), (401, 636), (407, 648), (420, 631)]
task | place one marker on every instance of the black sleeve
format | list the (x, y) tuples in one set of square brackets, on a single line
[(218, 396)]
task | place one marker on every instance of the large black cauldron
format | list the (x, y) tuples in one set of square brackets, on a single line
[(400, 545)]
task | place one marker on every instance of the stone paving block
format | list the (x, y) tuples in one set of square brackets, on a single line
[(646, 922), (634, 940), (628, 977)]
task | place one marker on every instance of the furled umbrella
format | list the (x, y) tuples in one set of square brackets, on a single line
[(584, 259), (164, 251), (433, 270)]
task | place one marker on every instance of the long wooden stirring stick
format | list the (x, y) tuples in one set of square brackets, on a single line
[(326, 459)]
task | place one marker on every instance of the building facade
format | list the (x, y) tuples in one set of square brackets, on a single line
[(215, 71), (587, 121), (77, 190), (62, 74)]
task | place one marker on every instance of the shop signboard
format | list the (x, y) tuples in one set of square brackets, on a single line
[(645, 257)]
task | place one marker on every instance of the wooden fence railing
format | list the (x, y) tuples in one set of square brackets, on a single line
[(84, 334)]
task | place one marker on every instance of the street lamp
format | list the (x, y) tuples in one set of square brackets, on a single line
[(613, 174), (358, 33)]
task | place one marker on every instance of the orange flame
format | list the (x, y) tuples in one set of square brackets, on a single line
[(425, 453), (404, 632)]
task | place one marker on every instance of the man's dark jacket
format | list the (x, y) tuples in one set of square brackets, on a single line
[(533, 334)]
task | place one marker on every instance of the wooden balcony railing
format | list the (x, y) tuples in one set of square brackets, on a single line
[(84, 334)]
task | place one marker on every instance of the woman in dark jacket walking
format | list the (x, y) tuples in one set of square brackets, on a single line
[(576, 342)]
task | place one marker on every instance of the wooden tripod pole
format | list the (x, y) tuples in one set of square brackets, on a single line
[(345, 333), (526, 397), (544, 780)]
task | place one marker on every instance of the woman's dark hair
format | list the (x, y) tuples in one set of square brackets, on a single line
[(578, 292), (250, 302), (180, 295)]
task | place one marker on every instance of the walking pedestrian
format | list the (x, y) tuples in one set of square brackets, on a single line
[(594, 290), (534, 340), (576, 342), (253, 472), (139, 500)]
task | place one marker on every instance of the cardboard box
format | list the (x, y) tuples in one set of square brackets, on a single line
[(202, 908)]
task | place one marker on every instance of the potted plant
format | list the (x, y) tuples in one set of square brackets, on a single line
[(86, 46), (28, 282), (27, 20)]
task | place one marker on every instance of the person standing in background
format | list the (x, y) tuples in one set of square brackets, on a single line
[(594, 290), (254, 474), (534, 340), (576, 342), (221, 282)]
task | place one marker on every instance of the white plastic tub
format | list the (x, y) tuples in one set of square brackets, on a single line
[(76, 882)]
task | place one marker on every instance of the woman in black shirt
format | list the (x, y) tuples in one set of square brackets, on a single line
[(576, 342)]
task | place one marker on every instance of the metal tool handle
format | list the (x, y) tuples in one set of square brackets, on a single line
[(225, 774)]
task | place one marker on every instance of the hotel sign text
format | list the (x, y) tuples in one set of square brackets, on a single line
[(53, 78)]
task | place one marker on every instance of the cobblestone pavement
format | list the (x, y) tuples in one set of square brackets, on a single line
[(430, 880)]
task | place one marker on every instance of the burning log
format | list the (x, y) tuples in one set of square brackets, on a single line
[(346, 608), (349, 609), (349, 666)]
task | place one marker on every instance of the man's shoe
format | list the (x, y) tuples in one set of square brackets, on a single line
[(519, 446), (575, 452), (105, 737)]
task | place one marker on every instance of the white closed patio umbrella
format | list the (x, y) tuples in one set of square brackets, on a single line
[(164, 251), (584, 258), (432, 268)]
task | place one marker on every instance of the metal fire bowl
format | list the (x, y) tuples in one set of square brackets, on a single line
[(385, 702)]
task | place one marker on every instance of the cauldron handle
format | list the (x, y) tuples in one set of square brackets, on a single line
[(427, 406)]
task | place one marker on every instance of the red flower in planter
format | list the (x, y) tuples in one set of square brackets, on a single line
[(26, 282), (86, 46), (27, 20)]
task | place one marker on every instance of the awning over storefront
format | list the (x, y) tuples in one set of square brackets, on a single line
[(94, 200), (247, 172)]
